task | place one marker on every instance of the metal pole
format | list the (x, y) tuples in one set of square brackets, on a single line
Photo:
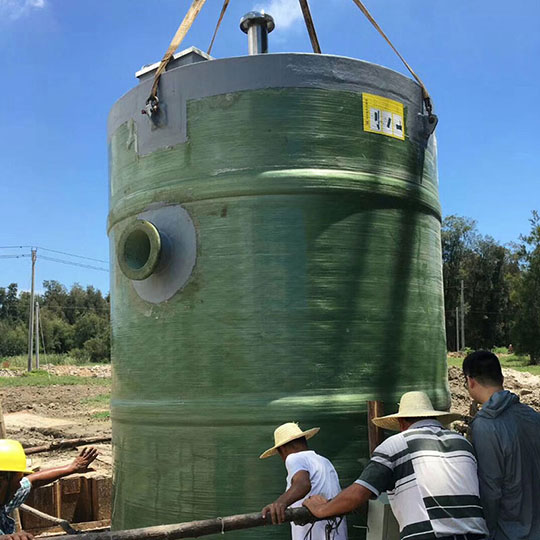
[(37, 335), (457, 329), (462, 316), (31, 318)]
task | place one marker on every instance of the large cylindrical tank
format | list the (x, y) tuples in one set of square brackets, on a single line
[(275, 248)]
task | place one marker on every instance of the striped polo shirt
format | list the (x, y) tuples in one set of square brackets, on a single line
[(429, 474)]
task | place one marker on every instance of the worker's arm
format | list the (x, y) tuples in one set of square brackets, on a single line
[(375, 478), (300, 487), (348, 500), (490, 456), (79, 465)]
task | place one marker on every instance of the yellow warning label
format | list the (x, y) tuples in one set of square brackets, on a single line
[(383, 115)]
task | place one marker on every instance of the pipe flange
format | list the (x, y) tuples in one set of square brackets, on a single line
[(157, 251), (139, 250)]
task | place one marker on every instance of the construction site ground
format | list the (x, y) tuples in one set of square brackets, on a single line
[(37, 415)]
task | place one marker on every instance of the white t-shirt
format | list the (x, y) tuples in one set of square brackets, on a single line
[(324, 481)]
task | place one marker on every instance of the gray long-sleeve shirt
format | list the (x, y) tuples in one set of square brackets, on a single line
[(506, 438)]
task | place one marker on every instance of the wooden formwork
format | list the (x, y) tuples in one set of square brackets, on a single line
[(83, 501)]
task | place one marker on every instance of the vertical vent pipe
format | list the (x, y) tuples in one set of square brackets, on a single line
[(257, 26)]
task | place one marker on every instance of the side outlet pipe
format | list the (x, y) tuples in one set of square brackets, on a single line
[(139, 250)]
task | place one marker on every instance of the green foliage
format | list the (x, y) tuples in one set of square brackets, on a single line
[(76, 320), (87, 327), (101, 399), (513, 361), (101, 415), (526, 329), (21, 360), (487, 269), (13, 338), (98, 348), (42, 378)]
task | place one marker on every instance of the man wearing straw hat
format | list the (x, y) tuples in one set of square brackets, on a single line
[(308, 474), (428, 472)]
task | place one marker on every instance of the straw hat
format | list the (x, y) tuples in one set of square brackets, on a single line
[(414, 405), (286, 433)]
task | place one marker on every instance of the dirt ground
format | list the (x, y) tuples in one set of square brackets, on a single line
[(39, 415), (525, 385)]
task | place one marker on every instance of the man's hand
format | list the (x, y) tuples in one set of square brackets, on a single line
[(313, 504), (81, 463), (276, 510), (21, 535)]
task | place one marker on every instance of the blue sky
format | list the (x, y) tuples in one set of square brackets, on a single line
[(65, 62)]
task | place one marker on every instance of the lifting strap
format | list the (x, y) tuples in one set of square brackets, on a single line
[(425, 94), (221, 15), (310, 26), (153, 101)]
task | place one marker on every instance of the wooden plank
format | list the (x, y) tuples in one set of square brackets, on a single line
[(69, 490), (65, 443), (43, 499), (83, 510), (375, 434), (101, 497), (89, 526), (66, 526), (77, 499)]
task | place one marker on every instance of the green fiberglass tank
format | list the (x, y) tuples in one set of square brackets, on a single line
[(275, 238)]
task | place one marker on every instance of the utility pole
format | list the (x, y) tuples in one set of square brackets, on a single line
[(31, 321), (462, 316), (37, 335), (457, 329)]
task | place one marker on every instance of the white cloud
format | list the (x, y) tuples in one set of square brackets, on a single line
[(285, 12), (15, 9)]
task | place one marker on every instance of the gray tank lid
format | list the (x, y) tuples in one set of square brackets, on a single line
[(182, 58)]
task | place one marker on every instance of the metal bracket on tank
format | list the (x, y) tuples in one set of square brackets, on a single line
[(430, 123), (156, 113), (157, 251)]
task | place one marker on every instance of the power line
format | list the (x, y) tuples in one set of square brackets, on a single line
[(73, 255), (56, 251), (74, 263), (13, 256)]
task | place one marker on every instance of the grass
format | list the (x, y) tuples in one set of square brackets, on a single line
[(42, 378), (101, 399), (21, 361), (101, 415), (513, 361)]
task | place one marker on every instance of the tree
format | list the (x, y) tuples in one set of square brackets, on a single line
[(458, 235), (98, 348), (488, 294), (9, 303), (71, 321), (526, 330), (57, 333), (13, 338), (55, 297), (486, 269), (87, 327)]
